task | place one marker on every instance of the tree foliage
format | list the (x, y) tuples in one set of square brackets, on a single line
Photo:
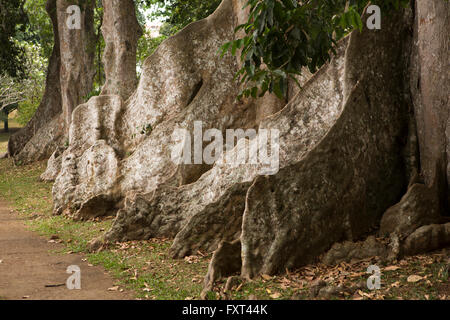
[(179, 13), (283, 36), (33, 85), (13, 21), (146, 46), (40, 29), (34, 43)]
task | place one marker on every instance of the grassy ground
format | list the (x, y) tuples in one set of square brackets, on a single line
[(146, 268), (141, 266)]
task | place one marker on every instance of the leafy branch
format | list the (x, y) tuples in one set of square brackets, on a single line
[(284, 36)]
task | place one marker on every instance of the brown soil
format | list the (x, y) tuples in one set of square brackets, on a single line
[(27, 266)]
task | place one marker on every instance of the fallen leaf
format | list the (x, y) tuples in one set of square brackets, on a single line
[(361, 293), (276, 295), (392, 268), (396, 284), (113, 288), (357, 274), (266, 277), (414, 278)]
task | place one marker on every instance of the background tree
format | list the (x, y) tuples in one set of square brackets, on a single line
[(177, 14), (10, 95), (34, 42), (13, 20)]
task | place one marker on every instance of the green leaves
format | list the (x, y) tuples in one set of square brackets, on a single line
[(284, 36), (236, 45), (13, 25)]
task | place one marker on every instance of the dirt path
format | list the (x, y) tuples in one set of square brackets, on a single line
[(27, 266)]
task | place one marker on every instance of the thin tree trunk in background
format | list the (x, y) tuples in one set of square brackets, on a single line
[(121, 32), (50, 105), (99, 51), (77, 56), (430, 83)]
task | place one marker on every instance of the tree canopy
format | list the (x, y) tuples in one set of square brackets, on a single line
[(13, 21), (177, 14)]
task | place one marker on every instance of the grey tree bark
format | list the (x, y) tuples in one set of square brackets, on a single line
[(77, 47), (430, 83), (121, 32)]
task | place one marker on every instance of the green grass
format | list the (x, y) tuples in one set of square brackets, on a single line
[(146, 268), (143, 267)]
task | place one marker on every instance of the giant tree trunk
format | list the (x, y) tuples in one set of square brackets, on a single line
[(121, 32), (347, 151), (43, 133), (117, 148)]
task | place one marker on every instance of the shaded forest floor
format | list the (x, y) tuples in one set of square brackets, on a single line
[(145, 267)]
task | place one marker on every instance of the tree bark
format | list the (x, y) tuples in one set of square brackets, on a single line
[(77, 56), (50, 106), (121, 32), (430, 84)]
